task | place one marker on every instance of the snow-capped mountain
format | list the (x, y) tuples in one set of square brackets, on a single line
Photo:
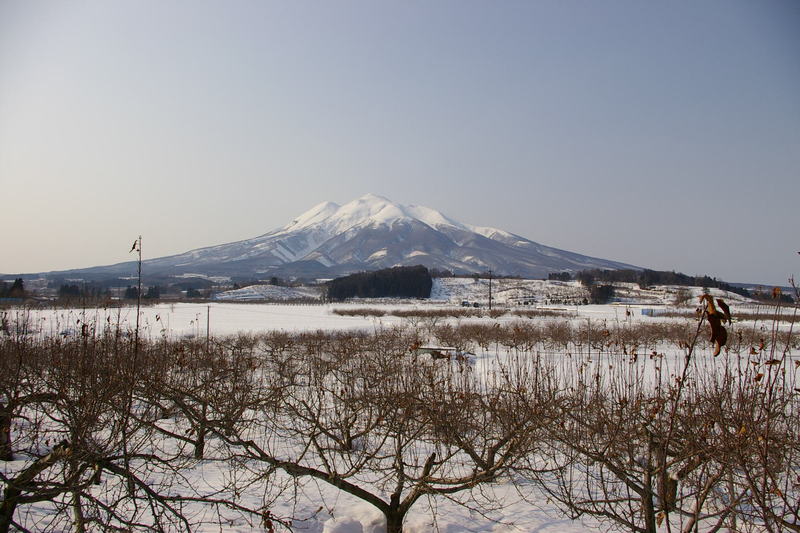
[(370, 233)]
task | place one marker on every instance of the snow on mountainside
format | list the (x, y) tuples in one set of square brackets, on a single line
[(271, 293), (368, 233), (368, 210)]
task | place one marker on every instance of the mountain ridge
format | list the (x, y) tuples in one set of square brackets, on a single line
[(368, 233)]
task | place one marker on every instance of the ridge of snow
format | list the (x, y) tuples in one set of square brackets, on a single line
[(492, 233), (432, 217), (368, 210), (316, 214)]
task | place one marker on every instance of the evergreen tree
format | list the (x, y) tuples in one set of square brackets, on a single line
[(153, 293), (191, 292), (17, 289), (69, 291)]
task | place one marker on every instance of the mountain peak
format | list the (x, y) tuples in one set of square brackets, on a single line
[(368, 209), (316, 214), (375, 210), (373, 198)]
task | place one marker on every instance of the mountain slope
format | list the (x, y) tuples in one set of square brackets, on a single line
[(369, 233)]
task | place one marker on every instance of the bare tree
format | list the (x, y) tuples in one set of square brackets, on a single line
[(87, 451), (364, 415)]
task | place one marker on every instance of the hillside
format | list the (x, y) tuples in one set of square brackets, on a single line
[(368, 233)]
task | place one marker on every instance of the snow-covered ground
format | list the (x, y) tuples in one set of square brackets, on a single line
[(507, 292), (320, 508), (186, 319), (194, 319), (270, 293), (516, 292), (220, 319)]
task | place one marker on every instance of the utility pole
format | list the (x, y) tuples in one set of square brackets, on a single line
[(208, 325), (137, 245)]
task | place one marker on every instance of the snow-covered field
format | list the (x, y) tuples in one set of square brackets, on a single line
[(175, 320), (318, 507), (194, 320), (220, 319)]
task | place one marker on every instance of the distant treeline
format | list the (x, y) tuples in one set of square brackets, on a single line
[(646, 278), (405, 282), (486, 274), (74, 291)]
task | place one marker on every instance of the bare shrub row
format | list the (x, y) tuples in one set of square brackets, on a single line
[(454, 312), (600, 336)]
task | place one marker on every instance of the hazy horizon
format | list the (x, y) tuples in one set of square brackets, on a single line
[(661, 135)]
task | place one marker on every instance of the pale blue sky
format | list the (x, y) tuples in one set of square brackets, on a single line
[(665, 135)]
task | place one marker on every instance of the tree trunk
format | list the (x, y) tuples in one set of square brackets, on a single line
[(7, 509), (24, 481), (648, 508), (5, 433), (200, 443), (79, 520), (394, 521)]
